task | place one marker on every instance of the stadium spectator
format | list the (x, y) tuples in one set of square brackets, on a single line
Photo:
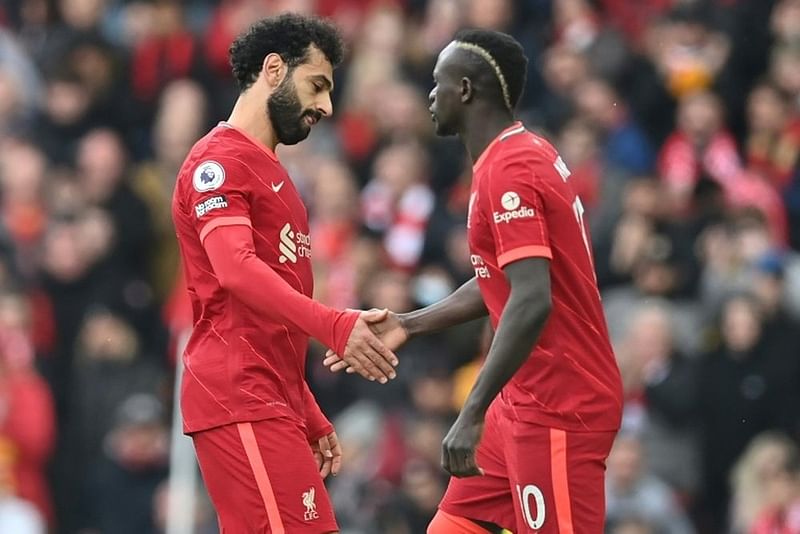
[(661, 390), (766, 456), (744, 392), (634, 493)]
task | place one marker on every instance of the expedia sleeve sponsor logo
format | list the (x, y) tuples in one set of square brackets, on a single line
[(511, 202), (209, 204), (507, 216)]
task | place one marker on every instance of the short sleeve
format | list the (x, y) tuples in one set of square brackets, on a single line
[(219, 194), (517, 210)]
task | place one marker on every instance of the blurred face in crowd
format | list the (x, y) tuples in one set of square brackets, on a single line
[(423, 485), (138, 447), (63, 258), (106, 337), (433, 395), (389, 290), (82, 14), (180, 120), (489, 14), (10, 97), (700, 116), (625, 462), (597, 101), (335, 193), (447, 97), (577, 142), (741, 325), (785, 20), (383, 32), (399, 166), (564, 69), (14, 312), (768, 289), (302, 98), (402, 110), (67, 101), (101, 163), (22, 168), (785, 69), (752, 238), (650, 337), (766, 111)]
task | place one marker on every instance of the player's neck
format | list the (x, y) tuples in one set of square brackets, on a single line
[(481, 129), (250, 116)]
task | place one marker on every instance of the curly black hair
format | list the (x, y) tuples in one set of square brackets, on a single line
[(507, 53), (289, 35)]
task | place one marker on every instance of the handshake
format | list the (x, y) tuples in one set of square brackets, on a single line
[(371, 345)]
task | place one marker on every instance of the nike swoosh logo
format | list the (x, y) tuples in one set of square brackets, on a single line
[(277, 187)]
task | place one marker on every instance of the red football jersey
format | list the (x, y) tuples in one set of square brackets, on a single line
[(237, 366), (523, 205)]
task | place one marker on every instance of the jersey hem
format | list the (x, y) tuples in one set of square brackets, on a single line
[(585, 423), (194, 427)]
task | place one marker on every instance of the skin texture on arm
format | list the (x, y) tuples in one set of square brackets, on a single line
[(463, 305), (232, 255), (523, 319)]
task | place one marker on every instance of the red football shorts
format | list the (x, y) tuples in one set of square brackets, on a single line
[(537, 479), (262, 478)]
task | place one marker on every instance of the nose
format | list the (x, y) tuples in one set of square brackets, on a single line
[(325, 105), (432, 95)]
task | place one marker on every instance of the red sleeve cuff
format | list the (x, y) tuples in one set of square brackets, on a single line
[(530, 251), (239, 220), (314, 434), (343, 326)]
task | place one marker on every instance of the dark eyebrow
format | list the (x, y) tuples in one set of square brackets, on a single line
[(324, 80)]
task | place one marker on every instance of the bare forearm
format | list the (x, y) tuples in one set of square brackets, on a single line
[(520, 326), (464, 304)]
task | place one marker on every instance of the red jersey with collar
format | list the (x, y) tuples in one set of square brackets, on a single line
[(238, 366), (523, 205)]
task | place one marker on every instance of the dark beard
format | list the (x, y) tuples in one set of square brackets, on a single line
[(286, 114)]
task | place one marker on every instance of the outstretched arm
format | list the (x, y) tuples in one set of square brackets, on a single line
[(232, 255), (461, 306), (464, 304)]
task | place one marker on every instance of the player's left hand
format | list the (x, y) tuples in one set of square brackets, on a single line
[(328, 453), (459, 446)]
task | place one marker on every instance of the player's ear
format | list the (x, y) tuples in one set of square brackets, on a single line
[(274, 69), (466, 90)]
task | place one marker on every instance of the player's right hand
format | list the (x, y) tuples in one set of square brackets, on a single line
[(390, 330), (365, 353)]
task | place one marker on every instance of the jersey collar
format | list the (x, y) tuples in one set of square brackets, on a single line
[(259, 144), (514, 129)]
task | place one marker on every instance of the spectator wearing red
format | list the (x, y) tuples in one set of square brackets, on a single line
[(773, 143), (700, 144), (27, 419)]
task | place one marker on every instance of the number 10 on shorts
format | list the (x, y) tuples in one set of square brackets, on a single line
[(531, 500)]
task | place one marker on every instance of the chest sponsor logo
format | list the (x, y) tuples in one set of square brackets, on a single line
[(208, 176), (209, 204), (511, 202), (311, 506), (293, 245), (481, 269)]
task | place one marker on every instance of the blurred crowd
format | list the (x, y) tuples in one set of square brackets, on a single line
[(680, 122)]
